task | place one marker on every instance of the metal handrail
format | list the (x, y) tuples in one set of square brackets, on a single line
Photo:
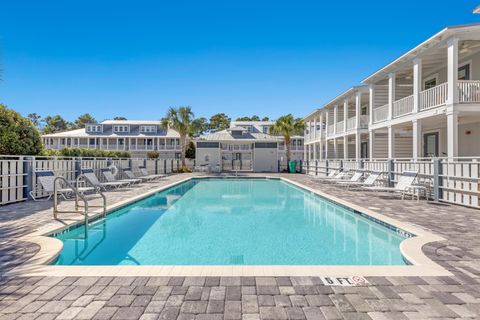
[(77, 195), (97, 190)]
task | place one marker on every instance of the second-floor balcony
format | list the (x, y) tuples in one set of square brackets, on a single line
[(340, 127), (468, 92)]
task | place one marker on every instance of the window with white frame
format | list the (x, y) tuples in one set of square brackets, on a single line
[(118, 128), (148, 129), (265, 129), (94, 128)]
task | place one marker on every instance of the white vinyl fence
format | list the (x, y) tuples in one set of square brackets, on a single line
[(17, 173), (448, 180)]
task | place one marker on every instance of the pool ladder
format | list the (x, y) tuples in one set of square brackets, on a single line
[(78, 196)]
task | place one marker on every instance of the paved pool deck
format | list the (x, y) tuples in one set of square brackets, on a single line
[(267, 297)]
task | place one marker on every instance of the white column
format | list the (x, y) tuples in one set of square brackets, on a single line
[(326, 149), (320, 149), (416, 139), (95, 143), (358, 111), (417, 83), (371, 103), (452, 133), (108, 148), (345, 147), (391, 94), (88, 142), (452, 71), (117, 144), (315, 129), (335, 149), (314, 152), (358, 143), (321, 126), (345, 114), (335, 119), (391, 142), (326, 125), (371, 143), (305, 152)]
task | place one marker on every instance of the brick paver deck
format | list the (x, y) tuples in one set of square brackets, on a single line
[(248, 297)]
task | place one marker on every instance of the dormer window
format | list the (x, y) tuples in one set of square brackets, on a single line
[(94, 128), (148, 129), (265, 129), (118, 128)]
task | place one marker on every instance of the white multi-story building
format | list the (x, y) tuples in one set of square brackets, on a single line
[(138, 137), (248, 146), (426, 103)]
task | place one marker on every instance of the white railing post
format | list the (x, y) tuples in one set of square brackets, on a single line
[(358, 102), (416, 139), (335, 119), (371, 102), (452, 71), (391, 94), (417, 83)]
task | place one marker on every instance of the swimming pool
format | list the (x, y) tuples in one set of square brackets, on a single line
[(219, 221)]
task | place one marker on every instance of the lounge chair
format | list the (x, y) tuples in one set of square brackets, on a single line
[(368, 182), (332, 174), (354, 178), (90, 175), (46, 178), (144, 173), (130, 175), (404, 184), (107, 173)]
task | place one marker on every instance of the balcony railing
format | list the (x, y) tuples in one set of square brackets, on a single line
[(380, 114), (351, 123), (468, 91), (340, 127), (364, 119), (330, 129), (403, 106), (433, 97)]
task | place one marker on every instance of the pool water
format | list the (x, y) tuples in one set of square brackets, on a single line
[(232, 222)]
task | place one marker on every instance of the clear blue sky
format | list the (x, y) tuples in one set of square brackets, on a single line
[(137, 58)]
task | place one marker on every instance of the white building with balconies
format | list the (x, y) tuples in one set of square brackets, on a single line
[(424, 104), (135, 136)]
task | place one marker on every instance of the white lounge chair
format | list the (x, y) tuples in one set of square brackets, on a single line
[(46, 178), (144, 173), (356, 177), (332, 174), (404, 184), (107, 173), (368, 182), (130, 175), (90, 175)]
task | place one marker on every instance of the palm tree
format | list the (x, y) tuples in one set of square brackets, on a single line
[(287, 126), (181, 120)]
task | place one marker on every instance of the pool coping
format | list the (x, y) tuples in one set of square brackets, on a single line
[(411, 249)]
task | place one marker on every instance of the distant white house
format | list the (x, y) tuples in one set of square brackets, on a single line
[(136, 136), (246, 146)]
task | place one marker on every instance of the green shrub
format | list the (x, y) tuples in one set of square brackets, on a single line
[(18, 136), (153, 154), (87, 153)]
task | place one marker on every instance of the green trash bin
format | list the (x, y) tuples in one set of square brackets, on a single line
[(292, 166)]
